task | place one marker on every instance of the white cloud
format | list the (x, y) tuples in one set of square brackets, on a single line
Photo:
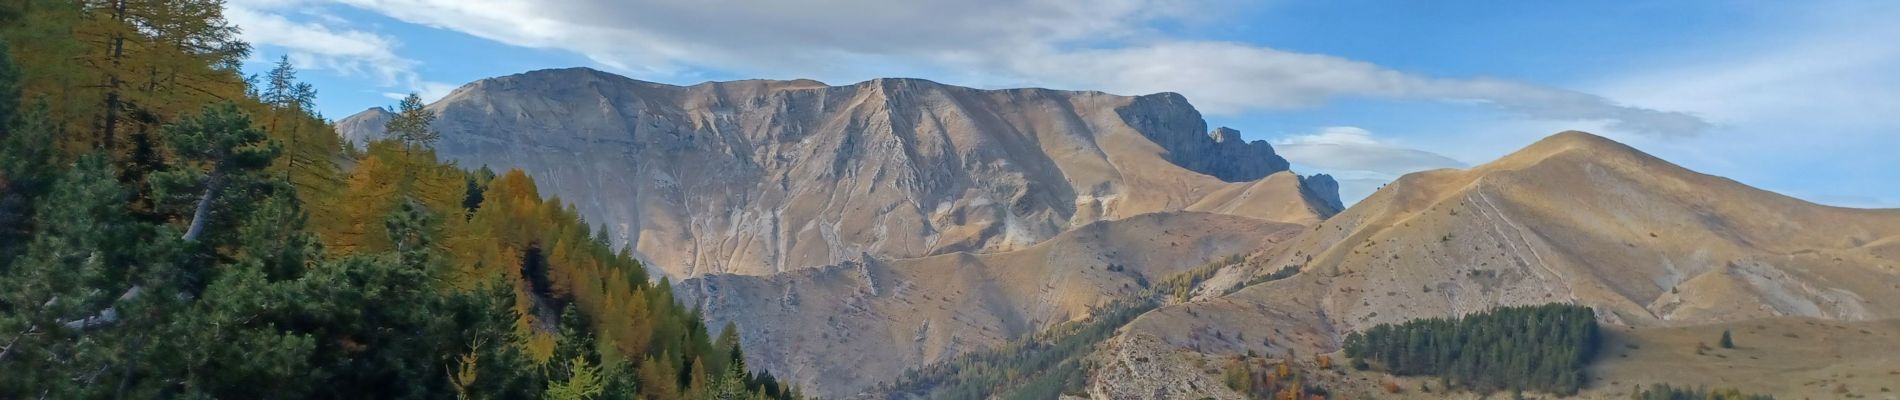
[(1804, 108), (1346, 149), (1828, 68), (1360, 161), (328, 46), (1223, 77), (428, 91), (1107, 44)]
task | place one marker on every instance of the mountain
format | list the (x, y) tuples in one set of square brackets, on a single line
[(758, 176), (1573, 218), (844, 328), (360, 128)]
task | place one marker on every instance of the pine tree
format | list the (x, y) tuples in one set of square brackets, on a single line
[(504, 368), (363, 294), (730, 384), (1727, 342), (220, 154), (54, 283), (280, 89), (247, 300), (26, 159), (413, 125), (1537, 347), (472, 198), (583, 382)]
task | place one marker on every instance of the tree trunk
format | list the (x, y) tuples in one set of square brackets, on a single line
[(202, 214), (112, 78), (105, 317)]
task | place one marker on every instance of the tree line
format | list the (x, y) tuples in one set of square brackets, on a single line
[(1038, 367), (1544, 347), (170, 227)]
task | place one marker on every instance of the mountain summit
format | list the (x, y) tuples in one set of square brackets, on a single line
[(761, 176)]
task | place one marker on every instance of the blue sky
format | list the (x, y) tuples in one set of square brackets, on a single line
[(1794, 97)]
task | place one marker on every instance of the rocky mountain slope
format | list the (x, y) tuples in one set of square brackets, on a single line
[(844, 328), (757, 177), (1574, 218)]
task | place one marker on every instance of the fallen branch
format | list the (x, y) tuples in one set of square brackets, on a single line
[(105, 317)]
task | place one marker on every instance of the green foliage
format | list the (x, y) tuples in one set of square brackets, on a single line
[(219, 153), (583, 382), (27, 163), (412, 124), (1181, 286), (1260, 378), (9, 86), (67, 272), (1045, 364), (282, 89), (260, 269), (1282, 273), (1727, 341), (472, 197), (1067, 377), (1665, 392), (1541, 347)]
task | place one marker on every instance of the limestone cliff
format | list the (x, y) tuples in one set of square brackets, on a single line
[(758, 177)]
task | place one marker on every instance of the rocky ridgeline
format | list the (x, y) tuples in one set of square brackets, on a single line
[(758, 176)]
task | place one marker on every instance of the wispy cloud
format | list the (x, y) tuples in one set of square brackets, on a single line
[(1111, 44), (318, 42), (1224, 77), (1344, 149), (1361, 161), (1804, 107)]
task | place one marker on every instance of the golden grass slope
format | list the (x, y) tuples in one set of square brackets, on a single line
[(1578, 218), (1573, 218), (844, 328)]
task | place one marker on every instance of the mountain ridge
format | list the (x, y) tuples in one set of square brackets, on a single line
[(764, 176), (1574, 218)]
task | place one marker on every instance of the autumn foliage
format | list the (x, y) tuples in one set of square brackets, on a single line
[(323, 270), (1261, 378)]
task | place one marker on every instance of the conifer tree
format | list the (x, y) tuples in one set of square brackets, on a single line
[(413, 125), (281, 87), (9, 87), (54, 283), (220, 153), (158, 59), (26, 159), (279, 272)]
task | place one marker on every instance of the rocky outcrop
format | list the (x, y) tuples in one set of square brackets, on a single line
[(1238, 160), (758, 177), (1169, 121), (1141, 367), (359, 129), (1323, 186)]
